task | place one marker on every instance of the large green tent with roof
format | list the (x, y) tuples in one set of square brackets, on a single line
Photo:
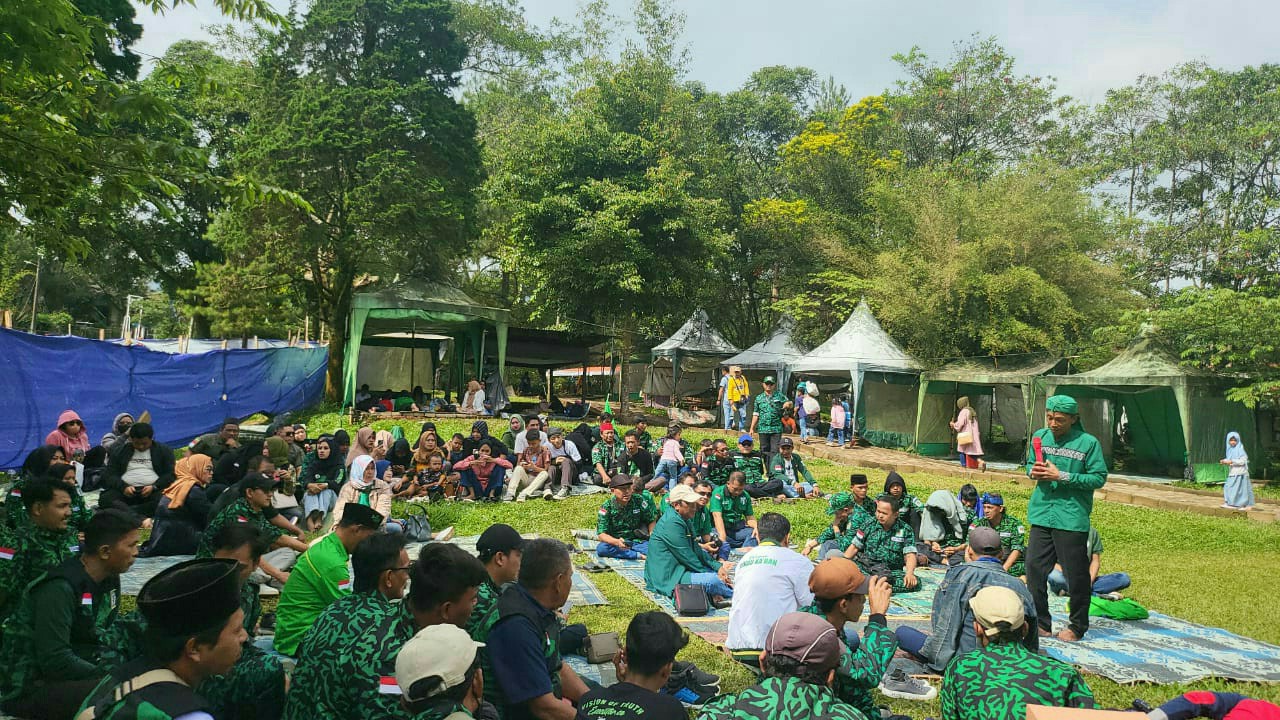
[(1000, 391), (1177, 417), (419, 315)]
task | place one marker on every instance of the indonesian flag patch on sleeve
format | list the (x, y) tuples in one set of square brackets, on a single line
[(7, 553), (86, 599), (344, 584), (241, 518), (16, 492), (387, 686)]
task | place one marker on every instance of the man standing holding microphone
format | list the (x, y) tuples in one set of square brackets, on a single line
[(1067, 465)]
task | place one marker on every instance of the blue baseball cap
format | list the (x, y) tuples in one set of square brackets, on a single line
[(745, 439)]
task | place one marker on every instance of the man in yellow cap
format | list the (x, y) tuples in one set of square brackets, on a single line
[(999, 679)]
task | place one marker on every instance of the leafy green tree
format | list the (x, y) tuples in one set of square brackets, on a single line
[(354, 111), (973, 114)]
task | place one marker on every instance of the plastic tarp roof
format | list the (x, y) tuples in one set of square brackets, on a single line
[(196, 346), (695, 337), (420, 307), (186, 394), (984, 371), (1177, 417), (527, 347), (776, 350), (860, 345)]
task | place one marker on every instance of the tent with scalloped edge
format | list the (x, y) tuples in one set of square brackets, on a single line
[(770, 356), (882, 377), (684, 364), (1176, 417)]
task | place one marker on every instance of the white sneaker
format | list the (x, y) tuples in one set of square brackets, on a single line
[(444, 535), (521, 498), (898, 684)]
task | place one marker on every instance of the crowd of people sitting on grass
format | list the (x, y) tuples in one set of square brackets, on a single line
[(363, 629)]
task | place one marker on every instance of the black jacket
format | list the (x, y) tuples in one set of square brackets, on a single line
[(118, 463)]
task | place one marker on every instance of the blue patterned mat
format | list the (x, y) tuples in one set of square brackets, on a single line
[(1161, 649)]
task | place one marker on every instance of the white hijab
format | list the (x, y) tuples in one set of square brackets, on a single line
[(357, 471)]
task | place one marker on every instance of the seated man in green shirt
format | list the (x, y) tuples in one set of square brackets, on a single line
[(886, 547), (732, 513), (836, 537), (788, 469), (625, 521), (800, 658), (1013, 534), (321, 576), (54, 643), (1002, 677), (40, 541), (676, 558)]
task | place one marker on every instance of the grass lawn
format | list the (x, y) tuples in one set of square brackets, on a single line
[(1216, 571)]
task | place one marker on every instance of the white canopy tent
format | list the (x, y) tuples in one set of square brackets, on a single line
[(883, 378), (771, 355), (684, 363)]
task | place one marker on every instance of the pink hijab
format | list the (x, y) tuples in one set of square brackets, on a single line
[(70, 445), (362, 445)]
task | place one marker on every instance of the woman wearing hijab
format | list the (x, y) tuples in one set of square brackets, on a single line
[(183, 511), (284, 498), (473, 401), (480, 436), (968, 439), (363, 445), (119, 430), (1238, 492), (322, 476), (515, 427), (382, 442), (365, 488), (401, 456), (70, 435), (428, 445), (35, 467)]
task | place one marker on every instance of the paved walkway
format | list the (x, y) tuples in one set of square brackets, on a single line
[(1119, 488)]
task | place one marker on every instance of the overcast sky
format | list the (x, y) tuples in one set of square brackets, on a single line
[(1089, 45)]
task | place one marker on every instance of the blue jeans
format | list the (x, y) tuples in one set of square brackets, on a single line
[(668, 469), (912, 640), (726, 408), (836, 433), (393, 527), (605, 550), (497, 478), (740, 535), (1111, 582), (790, 491), (712, 583)]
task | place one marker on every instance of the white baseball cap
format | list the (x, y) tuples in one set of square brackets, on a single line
[(445, 651), (684, 493)]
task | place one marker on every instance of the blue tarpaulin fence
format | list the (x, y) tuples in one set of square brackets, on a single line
[(186, 394)]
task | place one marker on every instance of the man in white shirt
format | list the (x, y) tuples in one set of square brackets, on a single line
[(771, 581), (522, 442), (565, 461)]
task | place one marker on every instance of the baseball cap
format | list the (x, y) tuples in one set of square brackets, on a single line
[(837, 577), (786, 442), (984, 540), (768, 380), (257, 481), (805, 638), (684, 493), (839, 501), (498, 538), (441, 651), (993, 605), (745, 439)]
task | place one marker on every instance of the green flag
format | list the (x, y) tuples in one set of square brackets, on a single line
[(607, 407)]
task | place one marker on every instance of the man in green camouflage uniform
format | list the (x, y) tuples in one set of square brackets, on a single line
[(624, 522), (1013, 535), (846, 519), (999, 679), (749, 462), (862, 501), (255, 686), (717, 466), (500, 548), (54, 645), (643, 436), (886, 547), (801, 655), (767, 419), (347, 659), (16, 510), (604, 455), (839, 589), (40, 541), (251, 508)]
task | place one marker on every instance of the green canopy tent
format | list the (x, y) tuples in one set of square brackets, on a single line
[(1177, 417), (999, 391), (420, 315)]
